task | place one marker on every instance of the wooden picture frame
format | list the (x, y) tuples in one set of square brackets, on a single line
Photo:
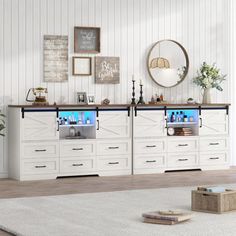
[(81, 98), (87, 39), (82, 66)]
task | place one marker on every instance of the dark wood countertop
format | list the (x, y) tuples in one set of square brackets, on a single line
[(122, 105)]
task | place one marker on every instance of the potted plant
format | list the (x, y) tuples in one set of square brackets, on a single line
[(208, 77), (2, 123)]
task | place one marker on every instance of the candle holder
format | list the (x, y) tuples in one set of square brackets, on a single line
[(141, 100), (133, 92)]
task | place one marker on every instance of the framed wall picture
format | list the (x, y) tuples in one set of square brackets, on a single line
[(86, 40), (107, 70), (81, 98), (91, 99), (81, 66), (55, 52)]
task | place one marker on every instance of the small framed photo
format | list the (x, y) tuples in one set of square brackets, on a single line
[(82, 98), (86, 39), (82, 66), (91, 99)]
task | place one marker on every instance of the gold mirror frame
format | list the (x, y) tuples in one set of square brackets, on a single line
[(186, 58)]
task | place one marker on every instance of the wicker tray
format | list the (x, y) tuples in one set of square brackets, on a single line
[(214, 202)]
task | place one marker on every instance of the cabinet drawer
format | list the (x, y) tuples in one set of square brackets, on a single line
[(114, 163), (40, 166), (149, 146), (149, 161), (212, 144), (182, 160), (72, 149), (42, 150), (72, 165), (182, 145), (113, 148), (213, 158)]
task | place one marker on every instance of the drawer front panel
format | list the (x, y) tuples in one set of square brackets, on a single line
[(35, 150), (77, 149), (213, 158), (113, 148), (182, 145), (182, 160), (115, 163), (212, 144), (73, 165), (149, 161), (49, 166), (149, 146)]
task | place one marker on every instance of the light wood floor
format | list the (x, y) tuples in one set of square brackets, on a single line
[(11, 188)]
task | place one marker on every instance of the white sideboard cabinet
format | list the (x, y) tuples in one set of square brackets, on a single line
[(72, 140)]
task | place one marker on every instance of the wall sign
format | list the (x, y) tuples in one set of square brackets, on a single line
[(107, 70), (87, 40), (55, 58), (82, 66)]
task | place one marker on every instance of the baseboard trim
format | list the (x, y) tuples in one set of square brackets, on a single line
[(3, 175)]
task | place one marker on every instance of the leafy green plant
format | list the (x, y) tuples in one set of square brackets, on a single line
[(209, 76), (2, 123)]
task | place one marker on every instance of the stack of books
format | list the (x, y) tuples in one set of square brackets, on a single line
[(166, 217), (183, 131)]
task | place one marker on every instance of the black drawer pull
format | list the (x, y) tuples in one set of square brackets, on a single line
[(113, 163), (40, 150), (77, 164), (214, 158), (113, 147), (151, 161), (183, 145), (40, 166), (214, 144), (77, 149), (183, 159), (151, 146)]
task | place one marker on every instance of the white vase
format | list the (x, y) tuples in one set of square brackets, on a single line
[(206, 96)]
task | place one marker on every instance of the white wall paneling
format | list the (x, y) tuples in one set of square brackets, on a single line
[(128, 30)]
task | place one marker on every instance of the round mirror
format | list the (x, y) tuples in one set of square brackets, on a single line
[(168, 63)]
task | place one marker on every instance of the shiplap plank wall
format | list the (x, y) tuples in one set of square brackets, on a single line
[(128, 30)]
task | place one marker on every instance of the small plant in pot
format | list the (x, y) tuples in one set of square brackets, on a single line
[(2, 123), (208, 77)]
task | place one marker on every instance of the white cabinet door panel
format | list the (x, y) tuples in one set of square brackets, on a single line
[(113, 124), (149, 161), (214, 122), (149, 124), (39, 126), (114, 163), (213, 144), (183, 145)]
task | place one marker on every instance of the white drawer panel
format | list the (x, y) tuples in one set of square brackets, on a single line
[(212, 144), (72, 165), (149, 161), (40, 166), (182, 160), (182, 145), (42, 150), (113, 147), (214, 158), (149, 146), (114, 163), (79, 148)]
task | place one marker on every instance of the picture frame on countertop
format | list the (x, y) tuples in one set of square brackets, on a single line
[(82, 66), (87, 39), (91, 99), (81, 98)]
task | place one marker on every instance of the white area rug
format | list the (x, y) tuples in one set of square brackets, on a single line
[(109, 214)]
